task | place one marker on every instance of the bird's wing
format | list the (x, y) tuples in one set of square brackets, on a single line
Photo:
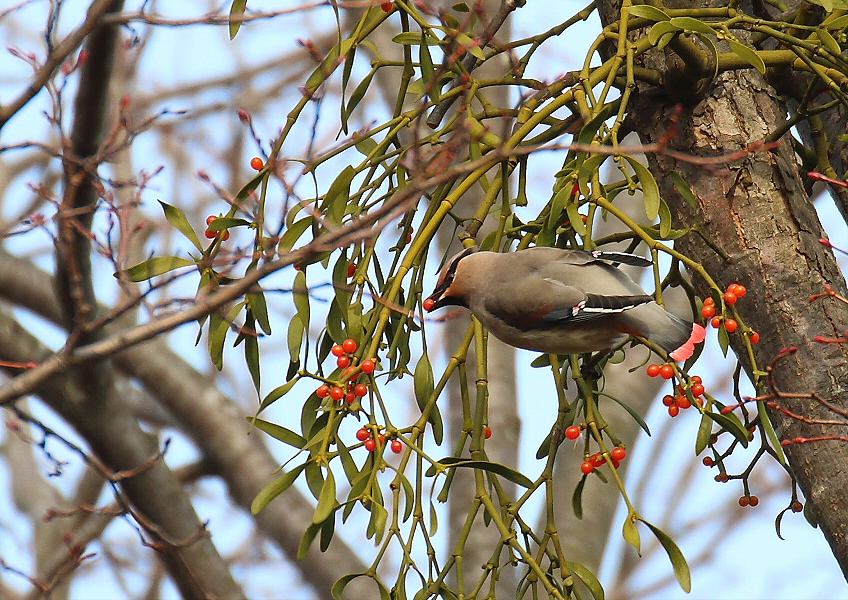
[(538, 302)]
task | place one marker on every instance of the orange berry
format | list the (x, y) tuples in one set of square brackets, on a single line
[(349, 346), (666, 372), (343, 362), (755, 337), (428, 304), (740, 291), (572, 432), (697, 379), (587, 467), (488, 432), (337, 350), (370, 444), (360, 390), (730, 298), (708, 311), (363, 434), (209, 219), (716, 322), (673, 410), (683, 402), (397, 446), (337, 394), (323, 391), (257, 163), (731, 325), (618, 453), (653, 370), (698, 389), (668, 400), (368, 366), (708, 301)]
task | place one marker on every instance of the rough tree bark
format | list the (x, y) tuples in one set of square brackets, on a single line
[(763, 232)]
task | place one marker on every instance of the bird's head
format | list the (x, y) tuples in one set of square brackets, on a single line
[(454, 283)]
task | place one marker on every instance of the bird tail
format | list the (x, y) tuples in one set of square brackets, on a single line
[(671, 333), (687, 348)]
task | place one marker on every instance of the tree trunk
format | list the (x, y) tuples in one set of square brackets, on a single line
[(756, 226)]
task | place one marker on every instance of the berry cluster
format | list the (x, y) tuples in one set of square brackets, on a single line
[(681, 400), (665, 371), (598, 459), (223, 234), (748, 501), (366, 435), (734, 292), (354, 390)]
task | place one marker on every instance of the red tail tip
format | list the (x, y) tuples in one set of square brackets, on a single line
[(688, 348)]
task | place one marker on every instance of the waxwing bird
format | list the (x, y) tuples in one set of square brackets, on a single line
[(561, 301)]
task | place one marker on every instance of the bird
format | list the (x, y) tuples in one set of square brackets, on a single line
[(561, 301)]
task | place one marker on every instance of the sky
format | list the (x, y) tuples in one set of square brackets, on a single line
[(750, 558)]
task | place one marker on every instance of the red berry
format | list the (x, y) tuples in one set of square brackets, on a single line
[(387, 6), (382, 438), (363, 434), (350, 397), (351, 270), (257, 163), (488, 432), (683, 402), (716, 322), (572, 432), (721, 478), (698, 389), (797, 507), (743, 501), (397, 446), (753, 500), (343, 362), (755, 337), (708, 312), (428, 304), (653, 370), (708, 461), (370, 444), (349, 346), (618, 453), (597, 459), (337, 350), (730, 299), (323, 391), (673, 410), (730, 325), (337, 394), (668, 400), (209, 219), (666, 372), (368, 366), (708, 301), (697, 379), (737, 290), (360, 390), (587, 467)]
